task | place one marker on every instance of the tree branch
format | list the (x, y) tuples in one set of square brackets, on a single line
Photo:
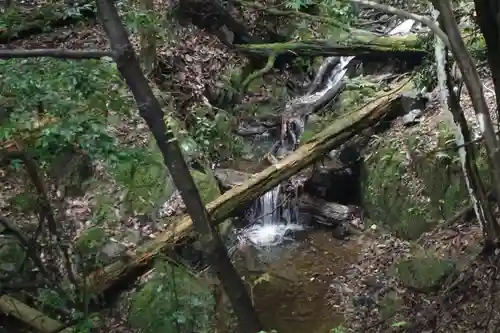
[(54, 53)]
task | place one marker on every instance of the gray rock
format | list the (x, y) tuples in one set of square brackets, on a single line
[(414, 104)]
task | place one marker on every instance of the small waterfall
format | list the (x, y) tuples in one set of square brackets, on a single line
[(269, 208), (271, 219)]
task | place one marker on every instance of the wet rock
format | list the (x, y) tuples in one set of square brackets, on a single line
[(337, 179), (341, 231), (413, 106), (228, 178)]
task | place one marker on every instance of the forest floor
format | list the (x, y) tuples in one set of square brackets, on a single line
[(378, 294)]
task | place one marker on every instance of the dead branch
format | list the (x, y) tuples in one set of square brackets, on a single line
[(55, 53)]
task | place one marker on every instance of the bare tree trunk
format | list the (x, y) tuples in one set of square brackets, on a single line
[(148, 40), (488, 19), (475, 88), (451, 104), (152, 113)]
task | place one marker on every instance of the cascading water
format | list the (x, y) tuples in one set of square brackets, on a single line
[(272, 218)]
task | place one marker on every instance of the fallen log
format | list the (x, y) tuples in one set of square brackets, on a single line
[(220, 209), (357, 45), (330, 214), (32, 317)]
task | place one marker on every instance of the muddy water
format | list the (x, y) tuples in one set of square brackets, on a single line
[(294, 298)]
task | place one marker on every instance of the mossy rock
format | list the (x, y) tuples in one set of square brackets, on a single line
[(411, 198), (356, 93), (387, 198), (424, 273)]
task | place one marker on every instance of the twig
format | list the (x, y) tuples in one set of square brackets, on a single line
[(46, 212)]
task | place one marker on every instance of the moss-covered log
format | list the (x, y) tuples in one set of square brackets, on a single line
[(220, 209), (34, 318), (24, 22), (356, 44)]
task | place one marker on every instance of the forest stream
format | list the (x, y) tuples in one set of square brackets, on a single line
[(269, 166), (293, 260)]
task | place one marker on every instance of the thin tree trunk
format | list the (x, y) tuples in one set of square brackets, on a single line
[(148, 40), (152, 113), (467, 153), (488, 19), (475, 88)]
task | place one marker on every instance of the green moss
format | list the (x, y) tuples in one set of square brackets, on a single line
[(390, 304), (172, 299), (357, 92), (380, 43), (410, 199), (92, 240), (424, 273), (206, 184), (389, 199)]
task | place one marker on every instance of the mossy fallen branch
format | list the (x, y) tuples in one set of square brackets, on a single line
[(220, 209), (32, 317), (269, 65), (352, 45)]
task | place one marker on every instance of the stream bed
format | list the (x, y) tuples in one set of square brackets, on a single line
[(294, 297)]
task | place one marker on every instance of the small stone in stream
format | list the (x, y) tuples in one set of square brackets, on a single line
[(341, 232)]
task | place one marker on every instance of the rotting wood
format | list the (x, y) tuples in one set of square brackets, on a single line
[(32, 317), (323, 212), (220, 209)]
